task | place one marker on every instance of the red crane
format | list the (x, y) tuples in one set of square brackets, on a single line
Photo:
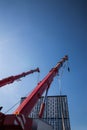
[(19, 120), (11, 79)]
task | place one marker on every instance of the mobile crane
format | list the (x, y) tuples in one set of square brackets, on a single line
[(19, 120)]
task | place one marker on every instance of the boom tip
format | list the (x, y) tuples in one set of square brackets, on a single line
[(66, 56), (38, 70)]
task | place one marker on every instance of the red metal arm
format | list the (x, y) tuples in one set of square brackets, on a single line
[(27, 105), (11, 79)]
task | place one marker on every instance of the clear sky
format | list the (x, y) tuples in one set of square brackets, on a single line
[(38, 33)]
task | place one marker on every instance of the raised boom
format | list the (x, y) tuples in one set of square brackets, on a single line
[(19, 120), (11, 79), (27, 105)]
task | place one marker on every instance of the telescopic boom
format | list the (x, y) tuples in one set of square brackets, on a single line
[(20, 120), (27, 105), (11, 79)]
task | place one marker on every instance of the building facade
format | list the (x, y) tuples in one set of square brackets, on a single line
[(56, 112)]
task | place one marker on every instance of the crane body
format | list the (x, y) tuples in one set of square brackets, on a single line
[(19, 118)]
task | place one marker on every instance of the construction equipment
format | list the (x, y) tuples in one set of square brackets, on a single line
[(19, 120), (11, 79)]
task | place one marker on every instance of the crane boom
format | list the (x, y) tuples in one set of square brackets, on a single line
[(27, 105), (11, 79), (19, 120)]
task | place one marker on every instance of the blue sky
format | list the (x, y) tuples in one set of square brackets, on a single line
[(38, 34)]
